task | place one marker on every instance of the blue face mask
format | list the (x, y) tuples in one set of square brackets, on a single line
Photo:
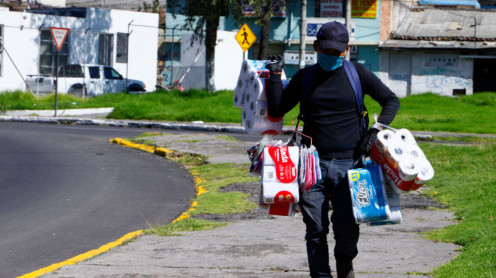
[(329, 62)]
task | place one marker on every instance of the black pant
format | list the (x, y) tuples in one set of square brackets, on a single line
[(314, 206)]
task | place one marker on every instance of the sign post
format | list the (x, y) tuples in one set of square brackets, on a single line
[(59, 35), (245, 38)]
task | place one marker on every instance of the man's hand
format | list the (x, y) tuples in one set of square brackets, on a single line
[(368, 141), (275, 63)]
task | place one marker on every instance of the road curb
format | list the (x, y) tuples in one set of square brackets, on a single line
[(211, 127)]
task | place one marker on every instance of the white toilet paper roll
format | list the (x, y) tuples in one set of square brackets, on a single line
[(406, 136), (407, 168), (426, 172), (384, 138), (395, 215), (397, 150), (255, 120), (262, 125), (256, 88), (416, 152), (239, 92)]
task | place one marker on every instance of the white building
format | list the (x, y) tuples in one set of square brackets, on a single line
[(96, 36)]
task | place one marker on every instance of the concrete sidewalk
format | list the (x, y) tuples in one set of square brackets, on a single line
[(261, 246)]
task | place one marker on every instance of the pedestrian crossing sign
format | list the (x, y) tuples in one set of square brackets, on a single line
[(245, 37)]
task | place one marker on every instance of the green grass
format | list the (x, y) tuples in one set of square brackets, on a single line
[(27, 101), (426, 112), (186, 225), (220, 175), (466, 182)]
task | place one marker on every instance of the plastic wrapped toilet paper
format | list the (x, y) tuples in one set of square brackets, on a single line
[(281, 209), (408, 168), (239, 92), (416, 152), (401, 159), (394, 218), (384, 138), (256, 119), (406, 137), (250, 95), (280, 172), (425, 174), (368, 195), (398, 151), (393, 199)]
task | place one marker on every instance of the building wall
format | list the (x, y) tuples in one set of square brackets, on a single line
[(285, 31), (441, 73), (22, 42), (417, 72)]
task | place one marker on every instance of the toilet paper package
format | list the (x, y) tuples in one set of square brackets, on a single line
[(368, 195), (397, 161), (395, 217), (279, 175), (250, 94), (402, 159), (285, 160), (256, 120), (391, 168), (280, 193), (393, 200), (425, 174), (281, 209)]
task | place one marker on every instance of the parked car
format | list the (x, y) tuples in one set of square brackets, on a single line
[(84, 80)]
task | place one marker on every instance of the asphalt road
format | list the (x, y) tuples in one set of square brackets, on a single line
[(65, 190)]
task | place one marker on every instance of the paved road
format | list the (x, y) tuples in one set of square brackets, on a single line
[(65, 190)]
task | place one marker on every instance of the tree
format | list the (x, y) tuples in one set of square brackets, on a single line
[(263, 11), (203, 18)]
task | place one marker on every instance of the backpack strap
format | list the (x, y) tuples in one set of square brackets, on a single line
[(354, 80)]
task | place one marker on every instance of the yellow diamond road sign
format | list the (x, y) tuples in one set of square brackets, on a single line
[(245, 37)]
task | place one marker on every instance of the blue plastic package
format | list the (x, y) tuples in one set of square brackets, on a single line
[(368, 195)]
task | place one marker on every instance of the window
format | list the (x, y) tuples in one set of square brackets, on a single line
[(94, 72), (122, 47), (48, 53), (71, 71), (110, 73), (105, 49), (1, 49)]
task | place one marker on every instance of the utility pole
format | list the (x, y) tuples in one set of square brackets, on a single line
[(303, 32), (348, 24)]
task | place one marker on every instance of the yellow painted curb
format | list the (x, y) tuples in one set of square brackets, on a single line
[(84, 256)]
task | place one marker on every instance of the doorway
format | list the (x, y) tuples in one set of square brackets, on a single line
[(484, 75)]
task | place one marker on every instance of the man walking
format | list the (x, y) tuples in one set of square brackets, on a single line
[(332, 121)]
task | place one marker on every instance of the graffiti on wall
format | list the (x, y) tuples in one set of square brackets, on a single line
[(445, 84), (441, 74)]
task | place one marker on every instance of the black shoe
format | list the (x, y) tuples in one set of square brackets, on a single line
[(345, 269)]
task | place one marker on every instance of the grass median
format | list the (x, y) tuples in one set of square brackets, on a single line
[(464, 179), (429, 112)]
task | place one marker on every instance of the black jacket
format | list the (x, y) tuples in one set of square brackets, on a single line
[(331, 117)]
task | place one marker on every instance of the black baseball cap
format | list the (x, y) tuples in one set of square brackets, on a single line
[(333, 35)]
